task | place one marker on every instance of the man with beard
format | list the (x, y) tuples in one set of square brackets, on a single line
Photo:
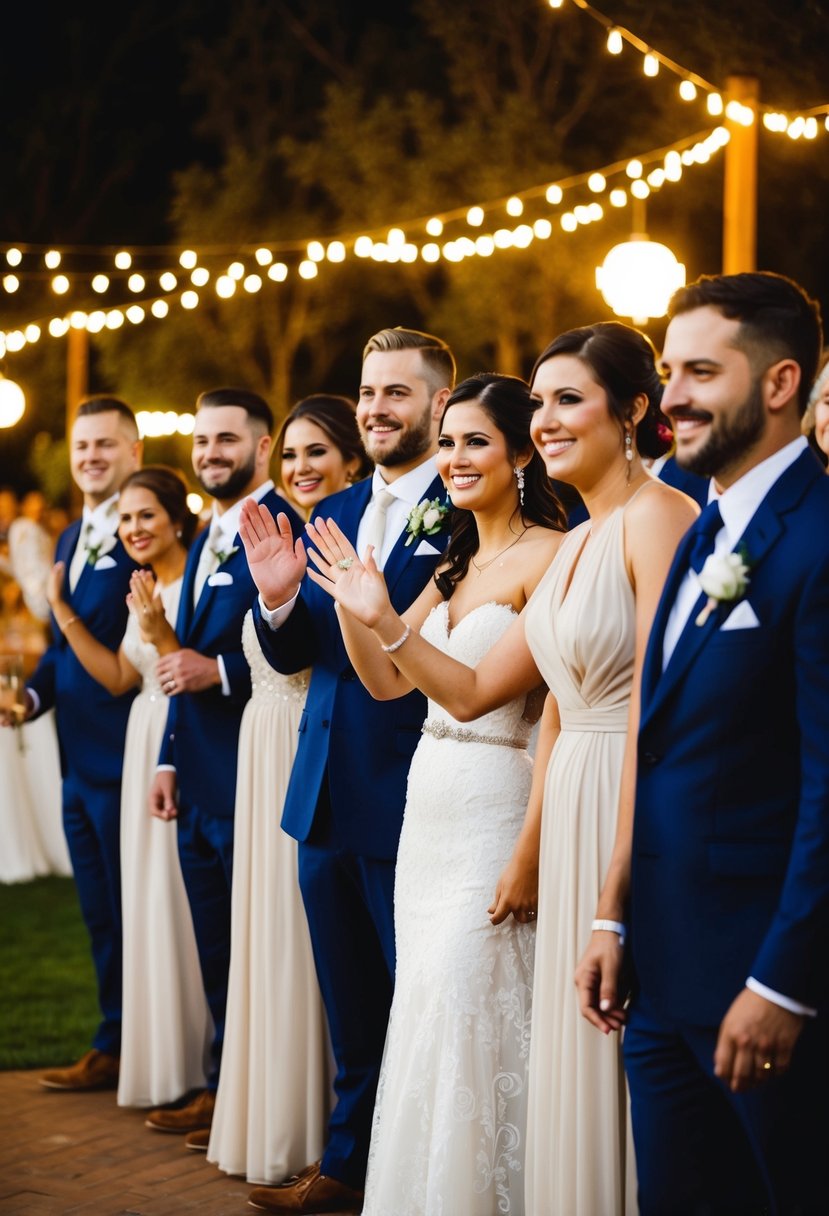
[(208, 683), (348, 785), (728, 875)]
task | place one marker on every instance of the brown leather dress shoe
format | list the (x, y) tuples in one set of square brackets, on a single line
[(309, 1191), (195, 1115), (95, 1070), (198, 1141)]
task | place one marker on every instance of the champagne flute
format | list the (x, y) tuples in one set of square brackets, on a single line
[(12, 698)]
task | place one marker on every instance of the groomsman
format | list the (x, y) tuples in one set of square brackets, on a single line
[(725, 1046), (91, 724), (208, 683), (348, 785)]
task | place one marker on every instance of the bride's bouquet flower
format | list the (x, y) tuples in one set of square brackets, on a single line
[(723, 578), (425, 519)]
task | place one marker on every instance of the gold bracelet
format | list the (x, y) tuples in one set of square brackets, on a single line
[(71, 621)]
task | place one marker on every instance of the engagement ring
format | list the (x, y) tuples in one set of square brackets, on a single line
[(345, 563)]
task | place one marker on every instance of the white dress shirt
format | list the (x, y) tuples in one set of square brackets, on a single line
[(738, 504), (408, 491)]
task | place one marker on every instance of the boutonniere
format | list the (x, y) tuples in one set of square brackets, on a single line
[(724, 579), (97, 546), (425, 519), (222, 555)]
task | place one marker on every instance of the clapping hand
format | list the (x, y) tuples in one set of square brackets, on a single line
[(358, 586), (148, 608), (277, 565)]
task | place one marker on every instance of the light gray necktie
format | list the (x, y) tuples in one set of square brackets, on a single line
[(78, 561), (376, 530)]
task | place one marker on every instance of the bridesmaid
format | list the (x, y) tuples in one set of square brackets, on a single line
[(166, 1029), (275, 1084), (597, 393)]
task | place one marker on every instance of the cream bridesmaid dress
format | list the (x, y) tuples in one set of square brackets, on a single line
[(275, 1084), (580, 626)]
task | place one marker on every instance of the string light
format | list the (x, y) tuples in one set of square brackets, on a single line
[(189, 259), (687, 90), (168, 281), (264, 257), (475, 216), (14, 257), (10, 283), (51, 259), (123, 260), (60, 284), (200, 276), (136, 283), (650, 64), (615, 42)]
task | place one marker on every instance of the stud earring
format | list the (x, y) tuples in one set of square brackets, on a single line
[(519, 479)]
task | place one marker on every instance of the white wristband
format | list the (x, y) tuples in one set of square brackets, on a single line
[(611, 926)]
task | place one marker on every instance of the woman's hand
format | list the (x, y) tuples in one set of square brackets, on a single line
[(599, 982), (516, 892), (148, 608), (359, 587), (54, 584)]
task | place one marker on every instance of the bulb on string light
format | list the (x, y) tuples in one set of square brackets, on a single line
[(189, 299), (335, 251), (554, 194), (96, 321), (434, 226), (135, 314), (189, 259), (52, 259), (634, 168), (475, 216), (555, 3), (278, 272), (159, 308), (200, 276), (100, 283), (236, 270), (714, 103), (430, 253), (396, 237), (569, 222), (687, 90), (485, 246), (596, 182), (78, 319), (15, 340), (225, 286), (363, 246), (58, 326), (32, 332), (810, 130), (503, 238), (14, 257), (264, 257), (123, 260), (615, 42), (60, 284), (136, 282), (252, 283), (618, 198), (307, 270), (115, 319), (514, 206), (316, 251), (650, 64), (640, 188), (543, 229), (168, 281), (10, 283)]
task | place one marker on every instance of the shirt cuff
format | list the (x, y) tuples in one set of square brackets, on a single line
[(776, 998), (275, 617), (165, 768), (35, 701), (220, 663)]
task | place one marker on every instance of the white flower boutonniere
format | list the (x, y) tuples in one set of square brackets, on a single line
[(724, 579), (222, 555), (97, 546), (425, 519)]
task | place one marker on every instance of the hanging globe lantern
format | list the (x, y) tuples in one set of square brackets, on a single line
[(12, 402), (638, 278)]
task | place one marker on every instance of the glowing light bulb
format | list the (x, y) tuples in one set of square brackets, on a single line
[(475, 216), (264, 257), (634, 168), (430, 253), (596, 182), (640, 189), (52, 259), (236, 270), (100, 283), (14, 257), (168, 281), (200, 276), (278, 272), (687, 90), (225, 286), (159, 308), (316, 251), (335, 251), (252, 283), (554, 194), (10, 283), (60, 284), (434, 226), (189, 259), (135, 314), (123, 260), (308, 270), (615, 42), (714, 104), (543, 229), (569, 222), (363, 246), (618, 198), (650, 64), (136, 282), (514, 206), (32, 332), (189, 299)]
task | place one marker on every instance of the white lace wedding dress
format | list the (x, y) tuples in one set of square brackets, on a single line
[(449, 1124)]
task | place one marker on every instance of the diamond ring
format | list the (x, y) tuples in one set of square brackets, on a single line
[(345, 563)]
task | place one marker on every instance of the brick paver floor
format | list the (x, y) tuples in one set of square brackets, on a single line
[(64, 1154)]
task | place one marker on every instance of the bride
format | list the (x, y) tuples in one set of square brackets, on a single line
[(449, 1126)]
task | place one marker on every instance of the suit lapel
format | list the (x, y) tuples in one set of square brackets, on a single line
[(185, 607), (763, 530), (402, 554)]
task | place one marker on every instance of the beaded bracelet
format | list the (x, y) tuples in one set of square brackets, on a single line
[(396, 645)]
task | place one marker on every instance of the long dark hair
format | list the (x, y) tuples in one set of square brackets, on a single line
[(171, 490), (623, 361), (507, 403), (336, 416)]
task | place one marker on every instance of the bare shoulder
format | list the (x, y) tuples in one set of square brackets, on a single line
[(658, 506), (538, 548)]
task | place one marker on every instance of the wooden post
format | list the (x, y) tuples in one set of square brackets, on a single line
[(77, 387), (740, 192)]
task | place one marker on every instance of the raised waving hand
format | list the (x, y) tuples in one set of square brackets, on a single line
[(357, 586), (277, 565)]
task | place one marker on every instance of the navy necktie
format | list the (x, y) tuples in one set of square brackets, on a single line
[(705, 531)]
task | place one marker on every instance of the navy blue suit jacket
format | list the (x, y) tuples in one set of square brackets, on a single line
[(681, 479), (202, 732), (730, 867), (91, 723), (366, 745)]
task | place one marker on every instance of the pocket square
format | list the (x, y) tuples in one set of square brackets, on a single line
[(743, 617), (220, 579), (106, 563), (425, 549)]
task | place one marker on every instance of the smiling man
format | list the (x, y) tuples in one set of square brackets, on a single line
[(347, 790), (104, 448), (208, 683), (725, 1047)]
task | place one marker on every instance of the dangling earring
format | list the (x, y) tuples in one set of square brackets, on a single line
[(628, 450), (519, 479), (178, 534)]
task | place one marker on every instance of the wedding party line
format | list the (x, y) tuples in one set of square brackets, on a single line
[(451, 823)]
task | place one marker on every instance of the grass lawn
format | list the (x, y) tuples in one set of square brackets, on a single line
[(48, 1005)]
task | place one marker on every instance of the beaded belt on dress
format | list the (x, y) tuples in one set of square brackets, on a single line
[(445, 730)]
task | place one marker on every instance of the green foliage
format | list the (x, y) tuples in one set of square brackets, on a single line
[(48, 1008)]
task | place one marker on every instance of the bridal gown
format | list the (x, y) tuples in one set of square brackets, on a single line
[(166, 1029), (448, 1136), (581, 634), (275, 1085)]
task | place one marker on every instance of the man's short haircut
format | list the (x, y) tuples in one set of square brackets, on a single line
[(778, 320), (109, 405), (255, 407), (438, 360)]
